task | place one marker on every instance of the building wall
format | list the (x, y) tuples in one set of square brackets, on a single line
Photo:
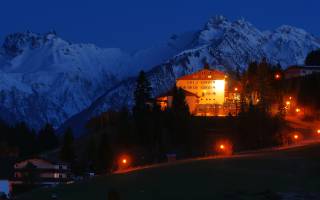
[(166, 101), (42, 164), (209, 91)]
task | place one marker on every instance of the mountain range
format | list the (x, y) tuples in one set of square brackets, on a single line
[(44, 78)]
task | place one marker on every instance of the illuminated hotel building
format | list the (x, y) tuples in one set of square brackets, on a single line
[(207, 94)]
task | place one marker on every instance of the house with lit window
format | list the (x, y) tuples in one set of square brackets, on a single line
[(165, 100), (298, 71), (39, 171), (207, 92)]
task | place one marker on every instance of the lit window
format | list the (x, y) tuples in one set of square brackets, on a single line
[(220, 85)]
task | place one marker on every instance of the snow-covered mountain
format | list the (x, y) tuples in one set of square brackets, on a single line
[(224, 44), (46, 79)]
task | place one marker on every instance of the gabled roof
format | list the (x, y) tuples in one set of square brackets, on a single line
[(303, 68), (204, 74), (39, 158), (170, 93)]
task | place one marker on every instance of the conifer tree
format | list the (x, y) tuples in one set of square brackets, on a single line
[(67, 153), (180, 107), (142, 93), (47, 139), (105, 156), (141, 109), (313, 58), (181, 121)]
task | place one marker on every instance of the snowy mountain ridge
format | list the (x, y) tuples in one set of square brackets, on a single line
[(223, 44), (44, 78)]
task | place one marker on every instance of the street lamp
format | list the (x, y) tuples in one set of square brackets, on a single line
[(224, 147), (318, 131), (277, 76), (124, 162)]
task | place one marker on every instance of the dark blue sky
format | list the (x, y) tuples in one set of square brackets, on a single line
[(133, 24)]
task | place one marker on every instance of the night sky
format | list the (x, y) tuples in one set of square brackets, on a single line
[(134, 24)]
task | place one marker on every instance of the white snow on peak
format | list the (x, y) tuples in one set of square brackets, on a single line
[(44, 78)]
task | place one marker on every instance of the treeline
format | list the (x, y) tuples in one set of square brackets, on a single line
[(19, 140), (148, 133)]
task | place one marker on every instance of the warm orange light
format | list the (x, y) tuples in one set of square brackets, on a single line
[(124, 162), (318, 131), (296, 136), (288, 102), (298, 110), (290, 98), (222, 146), (236, 89), (277, 76)]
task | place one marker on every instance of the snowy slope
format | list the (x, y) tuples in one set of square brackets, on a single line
[(46, 79), (222, 43)]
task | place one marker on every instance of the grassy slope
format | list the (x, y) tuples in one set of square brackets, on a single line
[(293, 170)]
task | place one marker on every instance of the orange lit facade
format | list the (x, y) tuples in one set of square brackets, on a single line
[(208, 93)]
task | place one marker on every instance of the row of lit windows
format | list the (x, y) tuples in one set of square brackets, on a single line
[(208, 93), (207, 99), (196, 87), (208, 87), (201, 82)]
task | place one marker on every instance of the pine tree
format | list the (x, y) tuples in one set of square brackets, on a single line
[(179, 107), (142, 93), (90, 155), (47, 139), (181, 121), (24, 139), (104, 162), (141, 109), (67, 153), (313, 58)]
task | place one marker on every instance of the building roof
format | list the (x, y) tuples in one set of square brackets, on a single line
[(303, 68), (204, 74), (170, 93), (50, 161)]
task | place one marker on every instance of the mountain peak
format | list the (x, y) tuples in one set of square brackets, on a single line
[(15, 43), (217, 21)]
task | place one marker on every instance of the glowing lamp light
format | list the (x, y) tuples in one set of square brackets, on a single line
[(290, 98), (318, 131), (288, 102), (236, 89), (219, 85), (277, 76), (298, 110), (222, 147), (124, 162), (295, 136)]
